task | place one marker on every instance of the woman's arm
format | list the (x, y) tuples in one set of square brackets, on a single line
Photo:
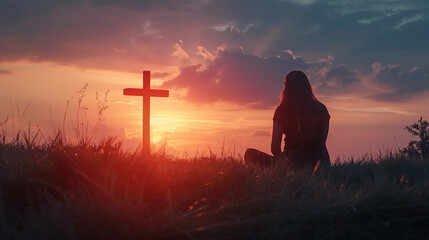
[(324, 137), (325, 131), (276, 140)]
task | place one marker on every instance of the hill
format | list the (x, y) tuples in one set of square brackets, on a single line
[(59, 191)]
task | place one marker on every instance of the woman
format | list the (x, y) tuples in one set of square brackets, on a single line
[(305, 123)]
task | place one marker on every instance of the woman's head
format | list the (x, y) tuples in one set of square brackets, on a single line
[(297, 89)]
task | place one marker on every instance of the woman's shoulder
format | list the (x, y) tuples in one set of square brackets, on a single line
[(284, 109), (282, 113), (281, 108), (322, 110)]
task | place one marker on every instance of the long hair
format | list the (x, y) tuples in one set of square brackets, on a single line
[(298, 97), (297, 90)]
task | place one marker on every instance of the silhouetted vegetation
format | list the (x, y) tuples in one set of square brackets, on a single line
[(418, 148), (59, 191)]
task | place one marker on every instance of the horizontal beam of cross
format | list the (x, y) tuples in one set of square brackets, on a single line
[(146, 92), (142, 92)]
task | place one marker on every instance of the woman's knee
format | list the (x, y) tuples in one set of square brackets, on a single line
[(255, 157)]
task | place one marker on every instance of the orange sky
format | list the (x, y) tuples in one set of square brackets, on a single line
[(224, 63), (358, 126)]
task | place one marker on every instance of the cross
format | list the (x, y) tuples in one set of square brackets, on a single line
[(146, 92)]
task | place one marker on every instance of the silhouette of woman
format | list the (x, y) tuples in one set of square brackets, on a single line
[(303, 120)]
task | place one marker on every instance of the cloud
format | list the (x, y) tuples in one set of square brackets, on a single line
[(206, 54), (5, 72), (342, 74), (107, 36), (261, 133), (234, 29), (398, 84), (256, 82), (179, 52), (235, 76), (223, 27), (338, 79), (124, 35), (409, 20), (160, 74), (148, 29), (375, 110)]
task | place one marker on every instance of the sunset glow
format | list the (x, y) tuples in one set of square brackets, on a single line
[(224, 69)]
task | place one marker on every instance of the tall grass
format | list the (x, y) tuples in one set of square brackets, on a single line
[(58, 191), (62, 189), (76, 119)]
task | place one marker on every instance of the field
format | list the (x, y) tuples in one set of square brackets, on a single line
[(60, 191)]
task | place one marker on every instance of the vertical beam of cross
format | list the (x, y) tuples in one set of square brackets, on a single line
[(146, 92)]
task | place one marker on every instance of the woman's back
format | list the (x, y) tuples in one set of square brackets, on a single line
[(305, 135), (305, 123)]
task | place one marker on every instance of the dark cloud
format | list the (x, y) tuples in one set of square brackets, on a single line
[(74, 33), (342, 75), (338, 80), (130, 35), (12, 12), (405, 45), (322, 28), (235, 76), (5, 72), (123, 35), (255, 82), (397, 84)]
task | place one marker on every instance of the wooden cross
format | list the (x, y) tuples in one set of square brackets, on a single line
[(146, 92)]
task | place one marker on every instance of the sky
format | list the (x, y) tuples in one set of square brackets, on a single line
[(224, 62)]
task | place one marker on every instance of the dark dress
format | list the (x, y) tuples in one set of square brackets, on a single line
[(305, 137)]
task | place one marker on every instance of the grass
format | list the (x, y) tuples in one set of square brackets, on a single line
[(59, 191)]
